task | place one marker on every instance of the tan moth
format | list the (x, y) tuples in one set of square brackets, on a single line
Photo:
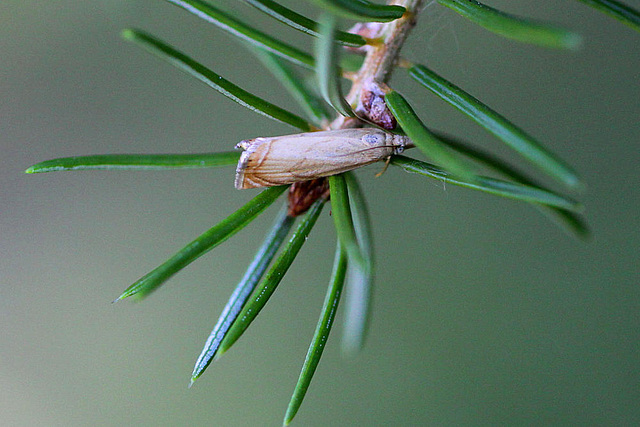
[(301, 157)]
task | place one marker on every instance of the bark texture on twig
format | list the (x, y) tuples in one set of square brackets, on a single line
[(367, 91)]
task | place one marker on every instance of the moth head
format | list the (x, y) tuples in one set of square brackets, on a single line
[(401, 142), (244, 144)]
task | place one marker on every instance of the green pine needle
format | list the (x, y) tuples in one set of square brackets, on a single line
[(362, 10), (342, 218), (247, 32), (273, 277), (497, 187), (514, 28), (617, 10), (302, 23), (213, 80), (204, 243), (312, 105), (327, 70), (569, 221), (243, 290), (502, 128), (321, 334), (423, 138), (359, 281), (137, 162)]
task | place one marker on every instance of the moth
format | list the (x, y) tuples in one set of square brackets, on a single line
[(287, 159)]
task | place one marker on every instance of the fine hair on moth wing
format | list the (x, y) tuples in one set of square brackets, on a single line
[(279, 160)]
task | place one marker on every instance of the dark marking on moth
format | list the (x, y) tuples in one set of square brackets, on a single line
[(373, 139)]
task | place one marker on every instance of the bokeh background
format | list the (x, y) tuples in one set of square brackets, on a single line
[(484, 312)]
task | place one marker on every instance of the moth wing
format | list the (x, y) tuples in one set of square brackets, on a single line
[(260, 166), (293, 158)]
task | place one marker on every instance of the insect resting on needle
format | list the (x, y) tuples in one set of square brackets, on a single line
[(279, 160)]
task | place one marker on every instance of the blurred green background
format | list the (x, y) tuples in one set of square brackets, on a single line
[(484, 312)]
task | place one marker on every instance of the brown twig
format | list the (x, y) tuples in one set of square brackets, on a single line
[(368, 85), (381, 57)]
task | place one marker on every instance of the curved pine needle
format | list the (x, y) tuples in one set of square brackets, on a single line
[(569, 221), (359, 282), (312, 105), (343, 220), (204, 243), (213, 80), (243, 290), (238, 28), (362, 10), (515, 28), (617, 10), (321, 334), (302, 23), (573, 224), (273, 278), (509, 133), (327, 70), (497, 187), (423, 138), (137, 162)]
